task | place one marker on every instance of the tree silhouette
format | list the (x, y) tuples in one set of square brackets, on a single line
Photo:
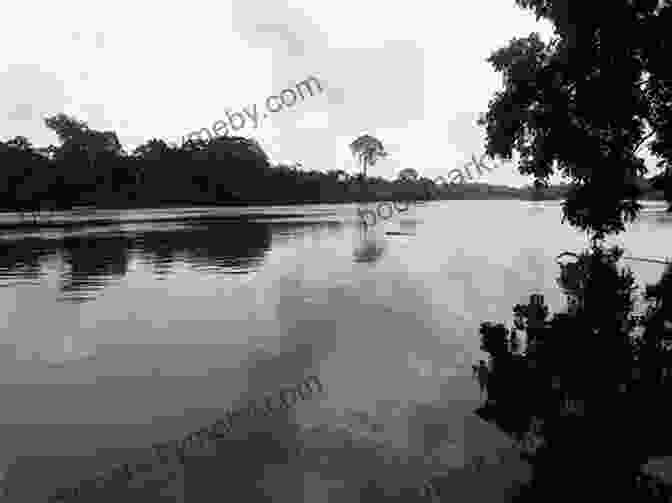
[(408, 175), (367, 150), (593, 376), (557, 109)]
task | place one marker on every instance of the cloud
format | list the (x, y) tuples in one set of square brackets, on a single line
[(94, 115), (100, 40), (21, 112), (336, 96), (465, 134), (363, 88), (29, 94), (294, 45), (291, 31)]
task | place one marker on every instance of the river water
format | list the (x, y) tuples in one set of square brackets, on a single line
[(119, 334)]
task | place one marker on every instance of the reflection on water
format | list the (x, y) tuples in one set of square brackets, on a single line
[(87, 263), (371, 248), (90, 249)]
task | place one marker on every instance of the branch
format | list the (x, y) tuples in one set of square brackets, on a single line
[(647, 260), (570, 254), (641, 142)]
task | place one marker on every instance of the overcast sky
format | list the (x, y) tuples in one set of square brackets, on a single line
[(413, 74)]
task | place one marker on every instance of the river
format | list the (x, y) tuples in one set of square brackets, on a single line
[(126, 332)]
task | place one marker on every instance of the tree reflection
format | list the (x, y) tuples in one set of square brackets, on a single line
[(89, 263), (370, 248)]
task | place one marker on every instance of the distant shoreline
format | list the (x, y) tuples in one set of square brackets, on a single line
[(187, 218), (84, 216)]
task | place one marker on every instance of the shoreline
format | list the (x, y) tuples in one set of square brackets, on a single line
[(82, 217)]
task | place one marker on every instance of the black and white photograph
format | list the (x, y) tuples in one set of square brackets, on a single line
[(336, 252)]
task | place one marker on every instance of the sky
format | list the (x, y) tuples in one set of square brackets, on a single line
[(416, 79)]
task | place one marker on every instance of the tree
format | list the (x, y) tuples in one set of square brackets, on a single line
[(68, 129), (26, 181), (663, 181), (75, 134), (88, 156), (20, 143), (341, 176), (152, 150), (558, 108), (367, 150), (584, 104), (408, 175)]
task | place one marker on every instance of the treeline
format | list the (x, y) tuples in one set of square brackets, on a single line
[(91, 168), (487, 191)]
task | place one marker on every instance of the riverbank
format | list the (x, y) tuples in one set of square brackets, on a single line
[(78, 218), (71, 219)]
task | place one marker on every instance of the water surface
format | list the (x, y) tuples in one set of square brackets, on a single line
[(122, 333)]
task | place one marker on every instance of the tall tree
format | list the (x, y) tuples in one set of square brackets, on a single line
[(367, 150)]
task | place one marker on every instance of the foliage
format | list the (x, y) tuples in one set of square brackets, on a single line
[(598, 354), (408, 175), (90, 168), (585, 102), (367, 150), (592, 377)]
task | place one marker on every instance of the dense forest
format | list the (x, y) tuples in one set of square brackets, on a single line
[(91, 168)]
